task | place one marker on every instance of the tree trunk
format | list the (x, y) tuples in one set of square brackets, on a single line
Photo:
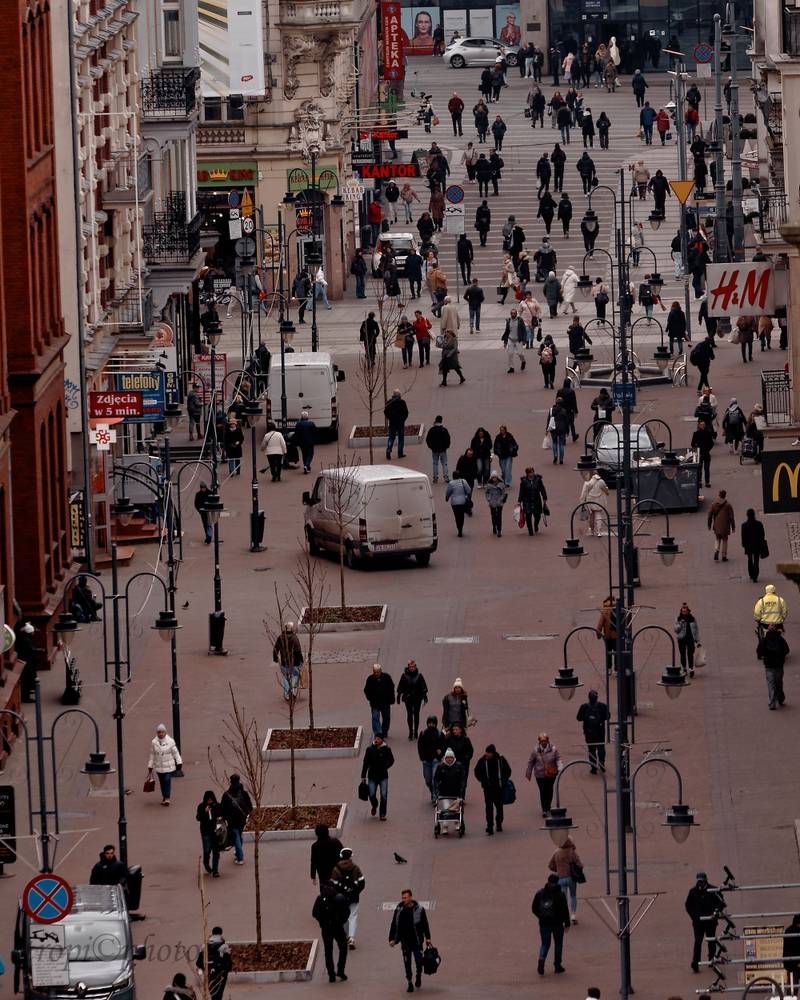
[(257, 880), (341, 564), (310, 681), (371, 412), (292, 781)]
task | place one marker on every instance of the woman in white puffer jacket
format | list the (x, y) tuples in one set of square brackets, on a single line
[(595, 492), (164, 760)]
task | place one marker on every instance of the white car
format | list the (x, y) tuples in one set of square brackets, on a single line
[(478, 52)]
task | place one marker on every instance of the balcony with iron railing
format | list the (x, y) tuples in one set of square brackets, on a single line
[(313, 13), (169, 94), (773, 212), (170, 239), (128, 180), (131, 312)]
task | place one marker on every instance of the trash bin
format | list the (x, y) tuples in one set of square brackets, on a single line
[(133, 895), (216, 630)]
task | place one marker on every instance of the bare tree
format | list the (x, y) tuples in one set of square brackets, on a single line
[(342, 491), (312, 587), (389, 313), (240, 752), (283, 644), (370, 378)]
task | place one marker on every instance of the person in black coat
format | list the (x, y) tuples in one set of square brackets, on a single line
[(178, 989), (754, 542), (603, 126), (702, 903), (586, 168), (325, 853), (593, 715), (483, 173), (701, 357), (546, 210), (570, 403), (236, 807), (109, 870), (589, 232), (492, 772), (773, 649), (220, 963), (331, 911), (481, 446), (431, 745), (483, 215), (413, 691), (232, 443), (532, 498), (543, 173), (558, 158), (465, 255), (550, 908), (413, 271), (208, 812), (396, 414), (676, 327), (379, 692), (659, 185), (565, 213), (496, 163), (703, 441), (378, 758), (587, 128)]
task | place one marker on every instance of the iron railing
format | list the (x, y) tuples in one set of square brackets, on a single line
[(776, 397), (220, 135), (132, 311), (169, 93), (791, 31), (773, 208), (170, 239), (774, 120), (125, 176)]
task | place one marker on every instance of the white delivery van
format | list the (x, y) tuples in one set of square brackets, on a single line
[(383, 510), (310, 385)]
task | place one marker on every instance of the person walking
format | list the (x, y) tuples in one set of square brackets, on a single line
[(474, 298), (544, 764), (647, 119), (220, 964), (558, 158), (564, 122), (544, 174), (368, 335), (209, 811), (483, 219), (701, 357), (603, 128), (459, 495), (410, 929), (321, 287), (408, 196), (722, 522), (550, 908), (431, 746), (455, 707), (499, 129), (547, 358), (413, 692), (481, 445), (569, 289), (532, 499), (164, 761), (469, 158), (232, 443), (483, 174), (200, 498), (179, 989), (406, 339), (587, 128), (601, 298), (552, 295), (325, 853), (564, 213), (379, 692), (537, 104), (348, 879), (659, 186), (194, 410), (464, 257), (514, 340), (358, 268), (703, 441), (586, 168), (378, 758), (480, 114), (773, 650), (287, 653), (496, 493), (305, 432), (273, 444), (593, 715), (450, 360), (422, 331), (770, 609), (746, 331), (506, 449), (492, 773), (331, 911), (413, 270), (594, 493), (754, 543), (641, 178), (603, 407), (438, 441), (567, 864), (557, 426), (703, 902), (676, 327), (639, 86), (687, 632), (236, 806), (733, 425), (496, 163), (396, 414), (456, 108)]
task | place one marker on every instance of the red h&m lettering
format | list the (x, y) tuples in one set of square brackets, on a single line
[(755, 294)]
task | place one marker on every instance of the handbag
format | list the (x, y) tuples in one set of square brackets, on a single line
[(502, 289), (763, 552), (149, 783), (431, 960), (527, 112), (509, 792), (584, 514), (363, 790), (550, 771), (576, 873), (440, 340), (221, 832), (435, 120), (700, 658)]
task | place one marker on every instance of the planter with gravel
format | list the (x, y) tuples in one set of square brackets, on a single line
[(359, 435), (322, 741), (352, 618), (273, 961), (281, 822)]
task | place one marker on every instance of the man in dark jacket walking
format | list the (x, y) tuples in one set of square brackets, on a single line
[(754, 543), (464, 256), (378, 758), (492, 772), (410, 930), (413, 691), (702, 903), (379, 692), (431, 746), (220, 963), (413, 269), (236, 807), (586, 168), (701, 357), (203, 493), (325, 853), (331, 910), (659, 185), (543, 173), (550, 908), (358, 269), (569, 401), (474, 298), (396, 413), (438, 440), (532, 499), (109, 870), (305, 431), (703, 441), (773, 650), (593, 714)]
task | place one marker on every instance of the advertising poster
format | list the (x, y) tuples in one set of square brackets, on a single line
[(231, 50), (745, 289), (507, 23), (481, 23), (418, 25), (454, 20), (757, 950)]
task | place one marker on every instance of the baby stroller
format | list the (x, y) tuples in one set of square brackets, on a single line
[(448, 817), (747, 450)]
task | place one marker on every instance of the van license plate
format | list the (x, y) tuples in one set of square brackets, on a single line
[(385, 545)]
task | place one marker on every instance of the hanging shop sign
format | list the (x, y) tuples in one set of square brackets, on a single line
[(780, 482), (386, 171), (746, 289), (116, 404), (325, 178), (384, 134), (152, 386), (392, 38), (227, 173)]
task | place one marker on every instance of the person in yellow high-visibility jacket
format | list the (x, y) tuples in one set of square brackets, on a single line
[(770, 609)]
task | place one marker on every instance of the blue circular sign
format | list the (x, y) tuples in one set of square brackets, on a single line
[(703, 53), (47, 898), (454, 194)]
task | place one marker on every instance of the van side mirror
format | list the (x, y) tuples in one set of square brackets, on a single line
[(139, 953), (339, 375), (307, 498)]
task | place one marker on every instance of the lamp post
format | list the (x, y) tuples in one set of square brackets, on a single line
[(680, 126), (166, 624), (720, 228), (252, 411), (729, 32)]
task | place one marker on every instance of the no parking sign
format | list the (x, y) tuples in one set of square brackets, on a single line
[(47, 898)]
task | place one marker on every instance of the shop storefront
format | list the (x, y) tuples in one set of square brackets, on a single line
[(215, 181)]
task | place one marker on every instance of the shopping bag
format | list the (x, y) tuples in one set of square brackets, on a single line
[(700, 658), (363, 791), (519, 515), (149, 783), (546, 442)]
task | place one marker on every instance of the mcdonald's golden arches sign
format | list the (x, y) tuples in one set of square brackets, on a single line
[(780, 481)]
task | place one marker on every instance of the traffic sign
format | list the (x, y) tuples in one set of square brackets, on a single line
[(108, 405), (624, 392), (248, 225), (682, 190), (245, 247), (234, 224), (703, 53), (47, 898), (454, 221), (454, 194), (247, 203), (233, 199)]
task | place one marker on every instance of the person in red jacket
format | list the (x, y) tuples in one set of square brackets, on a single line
[(374, 218), (456, 108), (662, 125)]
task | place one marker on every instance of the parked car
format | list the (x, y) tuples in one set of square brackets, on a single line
[(608, 448), (478, 52), (311, 379), (400, 244)]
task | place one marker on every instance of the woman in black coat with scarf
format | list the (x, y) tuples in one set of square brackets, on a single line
[(532, 498), (208, 812), (481, 446)]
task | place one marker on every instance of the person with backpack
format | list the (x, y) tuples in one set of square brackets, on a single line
[(547, 358), (220, 963), (646, 298), (492, 773), (532, 499), (567, 864), (565, 213), (603, 128), (754, 543), (514, 340), (550, 908), (236, 807), (331, 911), (701, 357), (348, 879), (410, 929), (733, 425), (593, 715)]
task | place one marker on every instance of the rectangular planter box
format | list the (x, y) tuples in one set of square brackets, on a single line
[(306, 834), (279, 975), (347, 626), (382, 440), (310, 753)]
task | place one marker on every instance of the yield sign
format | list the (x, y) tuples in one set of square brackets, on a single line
[(682, 190)]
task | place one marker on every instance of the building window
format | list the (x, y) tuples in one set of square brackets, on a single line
[(172, 34), (212, 109)]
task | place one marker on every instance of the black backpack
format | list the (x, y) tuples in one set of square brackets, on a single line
[(696, 356), (431, 960), (547, 907)]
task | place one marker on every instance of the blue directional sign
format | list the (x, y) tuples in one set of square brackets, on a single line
[(624, 391)]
